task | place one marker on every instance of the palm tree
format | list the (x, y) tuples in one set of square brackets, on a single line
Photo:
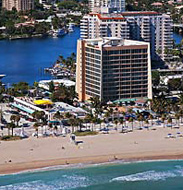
[(107, 115), (121, 122), (11, 126), (94, 121), (99, 121), (147, 122), (116, 123), (90, 117), (181, 114), (72, 122), (170, 121), (13, 118), (177, 117), (163, 118), (151, 118), (67, 115), (1, 115), (17, 119), (131, 121), (36, 127), (38, 115), (140, 119), (111, 111)]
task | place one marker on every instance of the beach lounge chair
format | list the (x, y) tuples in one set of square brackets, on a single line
[(170, 136), (179, 134)]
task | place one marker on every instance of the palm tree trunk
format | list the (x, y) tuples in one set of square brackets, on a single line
[(122, 128), (8, 132), (12, 131)]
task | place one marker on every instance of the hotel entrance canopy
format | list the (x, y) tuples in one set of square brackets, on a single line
[(125, 100)]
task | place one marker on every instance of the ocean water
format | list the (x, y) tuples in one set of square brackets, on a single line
[(25, 59), (159, 175)]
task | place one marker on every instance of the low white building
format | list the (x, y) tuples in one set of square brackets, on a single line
[(45, 83)]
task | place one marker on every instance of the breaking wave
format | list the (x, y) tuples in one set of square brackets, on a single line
[(65, 182), (151, 175)]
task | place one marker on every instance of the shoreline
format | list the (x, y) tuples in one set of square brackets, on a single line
[(37, 153), (57, 164)]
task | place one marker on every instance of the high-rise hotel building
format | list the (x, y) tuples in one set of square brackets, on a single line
[(151, 27), (20, 5), (99, 6), (113, 68)]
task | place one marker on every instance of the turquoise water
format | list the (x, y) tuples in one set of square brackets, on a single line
[(161, 175)]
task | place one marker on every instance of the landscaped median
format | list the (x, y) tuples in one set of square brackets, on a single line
[(85, 133)]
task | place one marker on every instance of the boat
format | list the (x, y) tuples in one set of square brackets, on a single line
[(71, 27), (2, 75), (58, 33)]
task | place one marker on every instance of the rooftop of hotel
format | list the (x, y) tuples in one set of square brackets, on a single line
[(113, 41), (121, 16)]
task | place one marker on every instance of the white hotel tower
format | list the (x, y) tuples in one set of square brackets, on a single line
[(99, 6), (151, 27)]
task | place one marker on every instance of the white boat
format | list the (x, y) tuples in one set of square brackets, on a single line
[(58, 33), (2, 75), (71, 28)]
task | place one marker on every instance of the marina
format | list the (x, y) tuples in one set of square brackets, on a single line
[(29, 57)]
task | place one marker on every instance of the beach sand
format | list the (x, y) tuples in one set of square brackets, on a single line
[(34, 153)]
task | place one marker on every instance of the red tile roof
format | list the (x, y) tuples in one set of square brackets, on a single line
[(107, 18), (122, 15)]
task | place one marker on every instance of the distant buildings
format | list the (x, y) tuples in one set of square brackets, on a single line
[(107, 6), (20, 5), (113, 68), (150, 27)]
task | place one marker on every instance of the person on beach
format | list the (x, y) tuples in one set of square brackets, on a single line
[(73, 138)]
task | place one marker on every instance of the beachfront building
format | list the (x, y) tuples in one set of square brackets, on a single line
[(113, 68), (151, 27), (106, 6), (20, 5)]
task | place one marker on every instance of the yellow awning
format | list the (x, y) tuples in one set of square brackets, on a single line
[(43, 102)]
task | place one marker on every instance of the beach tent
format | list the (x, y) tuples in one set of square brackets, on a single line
[(43, 102)]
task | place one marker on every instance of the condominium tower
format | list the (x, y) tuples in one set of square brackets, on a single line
[(151, 27), (99, 6), (20, 5), (113, 68)]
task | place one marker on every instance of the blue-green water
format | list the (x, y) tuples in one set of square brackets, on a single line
[(25, 59), (161, 175)]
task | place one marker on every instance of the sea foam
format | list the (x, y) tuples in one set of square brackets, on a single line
[(151, 175), (65, 182)]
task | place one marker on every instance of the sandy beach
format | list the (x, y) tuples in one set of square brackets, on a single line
[(33, 153)]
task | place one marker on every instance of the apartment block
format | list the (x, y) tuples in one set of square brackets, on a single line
[(106, 6), (20, 5), (113, 68), (97, 25), (151, 27)]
